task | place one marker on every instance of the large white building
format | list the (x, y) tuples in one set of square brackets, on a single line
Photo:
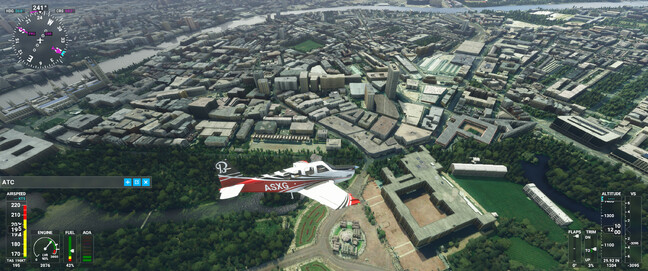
[(478, 170), (556, 214)]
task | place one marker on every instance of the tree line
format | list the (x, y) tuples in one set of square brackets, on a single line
[(233, 241), (490, 252)]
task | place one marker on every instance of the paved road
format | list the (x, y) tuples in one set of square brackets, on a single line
[(321, 248)]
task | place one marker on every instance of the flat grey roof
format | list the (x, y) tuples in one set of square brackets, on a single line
[(17, 148), (592, 128), (470, 47), (454, 128)]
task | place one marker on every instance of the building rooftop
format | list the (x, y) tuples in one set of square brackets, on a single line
[(470, 47), (409, 135), (424, 174), (383, 127), (386, 107), (18, 151), (592, 128), (479, 167), (457, 126)]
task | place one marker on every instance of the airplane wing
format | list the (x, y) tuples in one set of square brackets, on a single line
[(231, 191), (329, 194)]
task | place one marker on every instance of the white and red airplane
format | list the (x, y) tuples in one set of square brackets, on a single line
[(315, 180)]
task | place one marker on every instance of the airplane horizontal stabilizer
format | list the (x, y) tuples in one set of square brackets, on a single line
[(231, 191)]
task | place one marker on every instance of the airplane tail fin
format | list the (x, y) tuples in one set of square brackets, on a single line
[(227, 174), (230, 180)]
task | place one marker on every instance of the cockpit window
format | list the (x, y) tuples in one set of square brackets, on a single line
[(310, 171), (321, 169)]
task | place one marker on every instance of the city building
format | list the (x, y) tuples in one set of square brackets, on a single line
[(370, 103), (554, 212), (632, 153), (303, 81), (384, 127), (83, 121), (586, 131), (18, 151), (408, 135), (190, 23), (265, 127), (302, 128), (282, 84), (94, 67), (201, 107), (447, 209), (478, 170), (467, 127), (245, 129), (333, 144), (331, 81), (257, 74), (357, 90), (264, 86), (470, 47), (393, 78)]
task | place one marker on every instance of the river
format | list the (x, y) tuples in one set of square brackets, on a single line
[(29, 92), (536, 173)]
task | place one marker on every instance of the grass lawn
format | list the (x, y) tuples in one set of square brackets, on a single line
[(509, 200), (307, 45), (308, 224), (474, 131), (524, 252), (315, 266), (337, 231)]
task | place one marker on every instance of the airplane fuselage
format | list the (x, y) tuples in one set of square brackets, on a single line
[(275, 185), (314, 180)]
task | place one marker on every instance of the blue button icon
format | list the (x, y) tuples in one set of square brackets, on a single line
[(146, 182), (127, 182), (137, 182)]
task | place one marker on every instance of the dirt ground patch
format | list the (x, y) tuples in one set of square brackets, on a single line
[(415, 261), (423, 210), (404, 248), (371, 194), (375, 253), (385, 219)]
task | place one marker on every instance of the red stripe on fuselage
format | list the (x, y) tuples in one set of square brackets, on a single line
[(272, 186)]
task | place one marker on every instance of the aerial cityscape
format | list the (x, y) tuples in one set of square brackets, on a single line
[(324, 135)]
